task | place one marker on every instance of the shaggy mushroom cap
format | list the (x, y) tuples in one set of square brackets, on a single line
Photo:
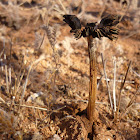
[(106, 27), (72, 21)]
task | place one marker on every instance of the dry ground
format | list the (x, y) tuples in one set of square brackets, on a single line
[(44, 73)]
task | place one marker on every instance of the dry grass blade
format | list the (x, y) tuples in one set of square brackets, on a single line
[(10, 75), (131, 33), (1, 52), (122, 85), (18, 82), (107, 82), (42, 57), (63, 6), (34, 107), (1, 100), (114, 86), (10, 62), (6, 71), (6, 74), (119, 81)]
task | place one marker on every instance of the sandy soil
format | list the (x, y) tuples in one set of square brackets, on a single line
[(47, 95)]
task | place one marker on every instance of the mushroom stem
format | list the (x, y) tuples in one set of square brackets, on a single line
[(93, 79)]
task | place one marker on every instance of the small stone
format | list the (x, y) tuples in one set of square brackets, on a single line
[(37, 136), (99, 59), (128, 87), (124, 102), (56, 137)]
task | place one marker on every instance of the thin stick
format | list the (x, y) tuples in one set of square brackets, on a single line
[(117, 80), (93, 80), (103, 9), (107, 81), (122, 85), (114, 86), (40, 108), (125, 76)]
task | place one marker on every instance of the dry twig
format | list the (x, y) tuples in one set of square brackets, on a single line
[(108, 89), (122, 85)]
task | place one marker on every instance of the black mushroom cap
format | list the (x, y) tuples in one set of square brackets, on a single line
[(110, 20), (72, 21), (106, 27)]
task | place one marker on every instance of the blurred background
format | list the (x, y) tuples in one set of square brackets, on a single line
[(42, 65)]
